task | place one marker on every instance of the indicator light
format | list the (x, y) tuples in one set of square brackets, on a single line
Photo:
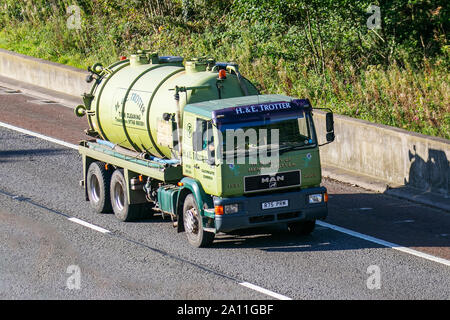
[(218, 210)]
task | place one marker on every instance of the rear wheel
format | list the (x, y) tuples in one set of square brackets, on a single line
[(119, 200), (302, 228), (193, 225), (97, 183)]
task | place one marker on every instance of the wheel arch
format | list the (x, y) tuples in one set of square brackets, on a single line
[(191, 186)]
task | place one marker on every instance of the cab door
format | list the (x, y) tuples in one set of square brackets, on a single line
[(204, 150), (188, 145)]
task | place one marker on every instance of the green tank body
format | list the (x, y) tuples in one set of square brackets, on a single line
[(127, 103)]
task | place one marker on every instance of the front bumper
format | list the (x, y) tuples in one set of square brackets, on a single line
[(251, 214)]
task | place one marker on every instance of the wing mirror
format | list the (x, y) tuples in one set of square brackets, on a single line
[(330, 126)]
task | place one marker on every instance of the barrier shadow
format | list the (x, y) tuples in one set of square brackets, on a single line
[(27, 154)]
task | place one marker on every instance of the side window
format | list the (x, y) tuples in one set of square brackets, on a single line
[(199, 133), (210, 141), (203, 138), (204, 130), (303, 127)]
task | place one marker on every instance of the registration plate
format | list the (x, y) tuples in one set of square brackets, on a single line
[(275, 204)]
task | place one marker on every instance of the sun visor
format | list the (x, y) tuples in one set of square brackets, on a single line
[(255, 112)]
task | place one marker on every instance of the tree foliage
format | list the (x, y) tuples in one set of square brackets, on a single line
[(322, 49)]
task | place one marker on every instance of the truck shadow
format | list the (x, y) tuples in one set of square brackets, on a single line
[(319, 240), (275, 242), (400, 222)]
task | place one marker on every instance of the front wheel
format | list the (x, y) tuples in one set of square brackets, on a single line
[(302, 228), (193, 225)]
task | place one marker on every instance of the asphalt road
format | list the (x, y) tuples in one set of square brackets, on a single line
[(39, 193)]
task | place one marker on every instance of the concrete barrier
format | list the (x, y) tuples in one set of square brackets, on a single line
[(399, 158), (396, 156), (42, 73)]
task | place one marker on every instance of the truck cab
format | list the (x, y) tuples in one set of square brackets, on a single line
[(251, 161)]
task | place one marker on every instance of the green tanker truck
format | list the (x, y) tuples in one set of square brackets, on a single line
[(199, 144)]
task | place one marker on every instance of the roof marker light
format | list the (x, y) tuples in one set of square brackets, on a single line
[(222, 74)]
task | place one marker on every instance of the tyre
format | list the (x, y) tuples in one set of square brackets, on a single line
[(119, 200), (97, 183), (302, 228), (193, 225)]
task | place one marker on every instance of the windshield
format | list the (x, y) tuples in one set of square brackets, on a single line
[(272, 134)]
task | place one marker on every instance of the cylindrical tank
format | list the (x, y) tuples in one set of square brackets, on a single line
[(129, 98)]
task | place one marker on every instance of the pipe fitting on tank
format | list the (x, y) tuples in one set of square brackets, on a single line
[(80, 111), (95, 72)]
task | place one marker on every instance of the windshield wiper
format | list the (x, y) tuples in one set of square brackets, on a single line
[(292, 148), (255, 150)]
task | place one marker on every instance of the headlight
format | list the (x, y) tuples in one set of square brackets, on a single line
[(231, 208), (315, 198)]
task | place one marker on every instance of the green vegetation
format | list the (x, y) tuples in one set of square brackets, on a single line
[(323, 50)]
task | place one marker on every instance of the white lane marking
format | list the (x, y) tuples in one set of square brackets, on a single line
[(89, 225), (265, 291), (386, 243), (38, 135)]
